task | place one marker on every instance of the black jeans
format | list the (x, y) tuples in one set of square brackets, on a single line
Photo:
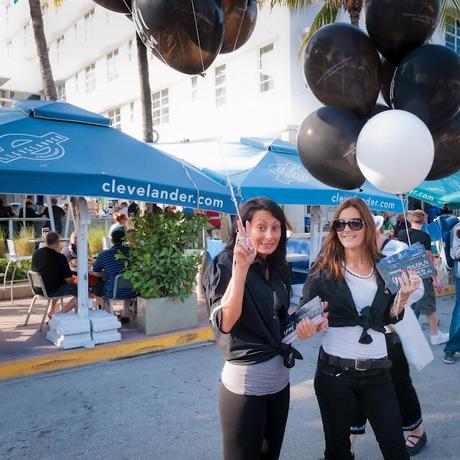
[(337, 389), (253, 426), (409, 404)]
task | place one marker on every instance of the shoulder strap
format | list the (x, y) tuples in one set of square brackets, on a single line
[(385, 243)]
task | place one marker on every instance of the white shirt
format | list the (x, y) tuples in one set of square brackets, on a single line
[(344, 341)]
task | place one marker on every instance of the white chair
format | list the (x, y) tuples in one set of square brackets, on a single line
[(120, 283), (39, 290), (106, 242), (13, 259)]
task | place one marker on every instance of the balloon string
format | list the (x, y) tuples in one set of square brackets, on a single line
[(240, 26), (405, 219), (194, 184), (198, 35)]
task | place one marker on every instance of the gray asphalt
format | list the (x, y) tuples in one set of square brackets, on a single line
[(164, 406)]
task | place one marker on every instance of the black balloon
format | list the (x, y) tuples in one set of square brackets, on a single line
[(447, 150), (388, 71), (397, 27), (378, 108), (169, 29), (427, 83), (327, 147), (342, 68), (240, 21), (119, 6)]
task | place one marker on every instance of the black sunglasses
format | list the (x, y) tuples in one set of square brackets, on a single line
[(353, 224)]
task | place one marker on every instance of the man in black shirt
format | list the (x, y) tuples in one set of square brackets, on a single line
[(427, 304), (55, 271), (58, 214)]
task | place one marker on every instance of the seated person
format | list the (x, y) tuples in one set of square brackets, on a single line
[(55, 271), (108, 266), (121, 221), (70, 251)]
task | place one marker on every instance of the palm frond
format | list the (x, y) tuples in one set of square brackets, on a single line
[(450, 9), (291, 4), (58, 3), (326, 15)]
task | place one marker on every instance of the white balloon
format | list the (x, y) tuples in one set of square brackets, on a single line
[(395, 151)]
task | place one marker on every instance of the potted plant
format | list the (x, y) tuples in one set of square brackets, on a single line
[(163, 270)]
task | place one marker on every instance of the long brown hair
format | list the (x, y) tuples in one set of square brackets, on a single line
[(332, 256)]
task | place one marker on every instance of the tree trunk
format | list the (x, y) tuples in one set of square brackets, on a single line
[(146, 94), (46, 73)]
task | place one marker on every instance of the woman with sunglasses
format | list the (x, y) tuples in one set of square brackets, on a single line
[(353, 359), (247, 289)]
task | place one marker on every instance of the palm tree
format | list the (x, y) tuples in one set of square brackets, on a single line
[(36, 16), (331, 8), (146, 94)]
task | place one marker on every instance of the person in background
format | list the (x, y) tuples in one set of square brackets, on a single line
[(353, 362), (401, 224), (214, 221), (5, 212), (29, 214), (58, 214), (387, 224), (427, 304), (107, 266), (453, 344), (133, 209), (120, 224), (55, 271), (409, 404), (123, 208), (156, 209), (70, 251)]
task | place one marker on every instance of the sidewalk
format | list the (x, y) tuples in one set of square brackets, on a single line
[(25, 351)]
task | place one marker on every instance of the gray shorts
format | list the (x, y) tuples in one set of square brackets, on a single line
[(65, 289), (427, 304)]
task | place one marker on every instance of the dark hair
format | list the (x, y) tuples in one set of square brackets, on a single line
[(332, 255), (117, 236), (51, 238), (276, 260)]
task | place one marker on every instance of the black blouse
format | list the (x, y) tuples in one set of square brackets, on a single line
[(342, 309), (256, 336)]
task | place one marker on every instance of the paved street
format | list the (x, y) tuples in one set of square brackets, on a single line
[(165, 407)]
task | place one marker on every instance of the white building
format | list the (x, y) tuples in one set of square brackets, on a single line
[(258, 90)]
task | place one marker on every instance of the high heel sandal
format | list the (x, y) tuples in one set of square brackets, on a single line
[(417, 446)]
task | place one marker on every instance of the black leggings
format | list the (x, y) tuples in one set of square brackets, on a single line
[(253, 426)]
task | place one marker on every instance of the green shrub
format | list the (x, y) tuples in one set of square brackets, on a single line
[(21, 270), (2, 243), (159, 262)]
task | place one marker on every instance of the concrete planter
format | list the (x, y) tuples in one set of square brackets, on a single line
[(157, 316)]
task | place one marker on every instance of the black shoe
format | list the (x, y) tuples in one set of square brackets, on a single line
[(449, 358), (417, 446)]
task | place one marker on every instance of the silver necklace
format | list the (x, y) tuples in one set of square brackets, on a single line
[(366, 277)]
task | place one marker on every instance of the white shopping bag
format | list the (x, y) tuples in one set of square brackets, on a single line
[(416, 348)]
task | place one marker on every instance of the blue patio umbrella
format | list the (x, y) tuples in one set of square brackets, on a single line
[(272, 168), (54, 148), (439, 192)]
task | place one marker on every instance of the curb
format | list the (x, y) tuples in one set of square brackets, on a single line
[(108, 352)]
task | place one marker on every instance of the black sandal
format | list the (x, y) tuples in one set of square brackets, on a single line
[(417, 446)]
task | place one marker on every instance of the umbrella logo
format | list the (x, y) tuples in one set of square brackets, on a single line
[(16, 146), (288, 172)]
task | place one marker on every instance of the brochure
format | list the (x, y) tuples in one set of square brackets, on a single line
[(312, 310), (414, 257)]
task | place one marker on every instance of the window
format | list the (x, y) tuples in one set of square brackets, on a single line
[(61, 92), (220, 85), (266, 68), (7, 13), (194, 82), (9, 47), (90, 77), (453, 34), (60, 48), (75, 31), (130, 50), (160, 106), (89, 24), (112, 65), (115, 116), (76, 81), (131, 112)]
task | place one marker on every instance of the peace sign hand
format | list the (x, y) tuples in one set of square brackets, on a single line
[(244, 252)]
